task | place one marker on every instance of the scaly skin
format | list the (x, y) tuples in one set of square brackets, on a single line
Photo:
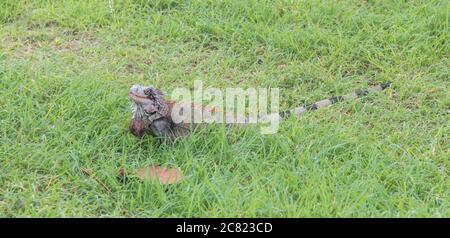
[(152, 111), (152, 114)]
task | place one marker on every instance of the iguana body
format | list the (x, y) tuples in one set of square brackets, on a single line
[(152, 111)]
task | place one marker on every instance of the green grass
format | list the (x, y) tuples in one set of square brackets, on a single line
[(66, 67)]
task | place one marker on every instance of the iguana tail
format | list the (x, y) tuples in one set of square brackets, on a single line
[(298, 111)]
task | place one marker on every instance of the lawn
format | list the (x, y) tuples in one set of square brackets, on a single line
[(66, 68)]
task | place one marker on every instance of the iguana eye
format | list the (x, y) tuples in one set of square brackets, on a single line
[(148, 91)]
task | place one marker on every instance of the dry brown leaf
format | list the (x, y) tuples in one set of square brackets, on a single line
[(433, 90), (86, 171), (157, 173), (261, 50)]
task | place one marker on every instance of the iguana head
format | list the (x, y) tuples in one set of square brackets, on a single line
[(148, 105)]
